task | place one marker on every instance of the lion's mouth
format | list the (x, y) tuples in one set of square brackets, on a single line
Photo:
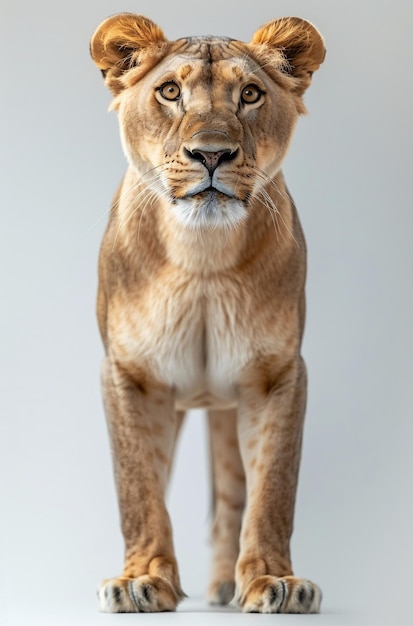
[(210, 197), (210, 193)]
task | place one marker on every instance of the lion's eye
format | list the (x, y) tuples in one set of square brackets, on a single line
[(170, 91), (251, 94)]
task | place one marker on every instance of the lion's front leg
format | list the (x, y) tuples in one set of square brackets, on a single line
[(142, 427), (270, 433)]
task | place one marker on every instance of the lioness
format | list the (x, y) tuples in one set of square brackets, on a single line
[(201, 302)]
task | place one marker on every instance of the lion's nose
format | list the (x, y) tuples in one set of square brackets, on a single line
[(211, 160)]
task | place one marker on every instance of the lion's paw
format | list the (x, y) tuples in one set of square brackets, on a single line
[(269, 594), (221, 593), (146, 594)]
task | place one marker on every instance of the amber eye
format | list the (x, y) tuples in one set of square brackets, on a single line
[(170, 91), (250, 94)]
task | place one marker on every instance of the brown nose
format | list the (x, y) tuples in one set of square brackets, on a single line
[(211, 160)]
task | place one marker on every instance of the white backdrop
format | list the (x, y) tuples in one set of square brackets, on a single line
[(349, 171)]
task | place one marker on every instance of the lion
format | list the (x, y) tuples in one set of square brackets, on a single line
[(201, 302)]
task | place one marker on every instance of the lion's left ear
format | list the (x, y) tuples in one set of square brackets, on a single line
[(300, 43)]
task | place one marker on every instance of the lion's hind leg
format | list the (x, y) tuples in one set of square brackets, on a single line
[(228, 482)]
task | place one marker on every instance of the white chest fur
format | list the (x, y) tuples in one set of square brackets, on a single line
[(193, 336)]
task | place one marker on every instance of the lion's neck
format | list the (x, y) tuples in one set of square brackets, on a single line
[(203, 251)]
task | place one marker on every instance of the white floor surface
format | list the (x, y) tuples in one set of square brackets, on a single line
[(192, 612)]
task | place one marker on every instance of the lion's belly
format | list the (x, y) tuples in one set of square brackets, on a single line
[(191, 343)]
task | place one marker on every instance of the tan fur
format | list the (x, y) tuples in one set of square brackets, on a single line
[(201, 302)]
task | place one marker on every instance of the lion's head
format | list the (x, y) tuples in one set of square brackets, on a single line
[(206, 121)]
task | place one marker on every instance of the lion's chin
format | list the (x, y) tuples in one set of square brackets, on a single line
[(209, 209)]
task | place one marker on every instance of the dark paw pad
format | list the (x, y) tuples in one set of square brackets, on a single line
[(305, 597), (277, 594), (274, 594), (117, 594)]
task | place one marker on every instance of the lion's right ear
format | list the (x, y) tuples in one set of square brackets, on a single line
[(118, 43)]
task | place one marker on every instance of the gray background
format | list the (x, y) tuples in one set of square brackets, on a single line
[(349, 170)]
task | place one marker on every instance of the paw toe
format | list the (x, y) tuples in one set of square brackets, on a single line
[(145, 594), (114, 598), (269, 594), (304, 597)]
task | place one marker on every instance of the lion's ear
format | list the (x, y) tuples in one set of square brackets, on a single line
[(119, 41), (299, 42)]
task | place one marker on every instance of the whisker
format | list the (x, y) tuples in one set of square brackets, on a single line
[(97, 222), (111, 209), (269, 180), (273, 209), (148, 201), (273, 214), (134, 205), (270, 204), (115, 205)]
